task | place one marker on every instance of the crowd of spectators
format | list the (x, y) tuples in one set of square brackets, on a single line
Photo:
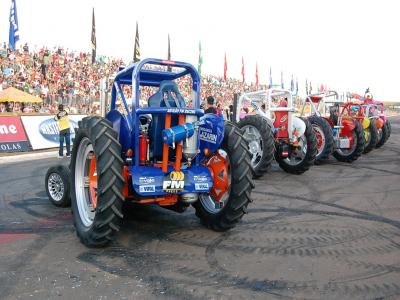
[(56, 76), (62, 76)]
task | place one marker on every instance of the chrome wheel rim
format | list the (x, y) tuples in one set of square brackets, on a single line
[(299, 154), (254, 140), (84, 204), (55, 185)]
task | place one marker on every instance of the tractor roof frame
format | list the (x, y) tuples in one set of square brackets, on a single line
[(136, 76)]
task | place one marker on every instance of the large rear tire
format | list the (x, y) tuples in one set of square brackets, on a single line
[(389, 127), (258, 134), (223, 214), (357, 149), (97, 182), (370, 136), (383, 135), (324, 135), (58, 185), (308, 153)]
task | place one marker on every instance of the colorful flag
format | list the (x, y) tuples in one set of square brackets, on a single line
[(136, 51), (200, 59), (243, 69), (282, 84), (292, 84), (270, 77), (169, 54), (13, 36), (321, 88), (93, 39), (257, 74), (225, 67)]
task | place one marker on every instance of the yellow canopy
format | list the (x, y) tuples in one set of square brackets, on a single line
[(14, 95)]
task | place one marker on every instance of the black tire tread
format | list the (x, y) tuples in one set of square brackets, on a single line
[(108, 214), (309, 158), (65, 175), (329, 140), (241, 186), (385, 135), (359, 147), (373, 132)]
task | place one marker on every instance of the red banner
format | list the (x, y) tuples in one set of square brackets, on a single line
[(12, 135)]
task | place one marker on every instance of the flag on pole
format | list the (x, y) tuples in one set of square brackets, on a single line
[(136, 51), (225, 67), (282, 84), (292, 84), (270, 77), (13, 36), (243, 69), (200, 59), (307, 93), (321, 88), (257, 74), (93, 39), (297, 86), (310, 87), (169, 53)]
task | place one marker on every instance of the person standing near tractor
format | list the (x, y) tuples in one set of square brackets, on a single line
[(64, 127), (210, 106)]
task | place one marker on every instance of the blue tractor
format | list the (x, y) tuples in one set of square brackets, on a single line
[(163, 150)]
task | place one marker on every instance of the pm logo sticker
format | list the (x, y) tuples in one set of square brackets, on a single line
[(174, 182)]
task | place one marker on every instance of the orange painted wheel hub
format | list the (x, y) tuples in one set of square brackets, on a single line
[(93, 181), (219, 168)]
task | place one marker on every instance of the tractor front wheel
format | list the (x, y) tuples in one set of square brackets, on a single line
[(97, 182), (58, 185), (230, 167)]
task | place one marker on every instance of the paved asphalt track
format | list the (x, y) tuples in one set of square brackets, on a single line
[(331, 233)]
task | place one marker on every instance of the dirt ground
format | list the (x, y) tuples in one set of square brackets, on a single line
[(331, 233)]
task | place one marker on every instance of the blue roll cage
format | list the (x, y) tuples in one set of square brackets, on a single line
[(136, 76)]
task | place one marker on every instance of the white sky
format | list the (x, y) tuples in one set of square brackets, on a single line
[(348, 45)]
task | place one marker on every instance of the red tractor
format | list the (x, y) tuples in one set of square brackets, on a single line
[(337, 126)]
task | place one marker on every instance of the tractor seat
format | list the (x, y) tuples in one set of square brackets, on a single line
[(168, 95)]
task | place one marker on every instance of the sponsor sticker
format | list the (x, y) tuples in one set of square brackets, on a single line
[(206, 134), (284, 118), (147, 188), (200, 178), (174, 182), (146, 180), (201, 186), (181, 111)]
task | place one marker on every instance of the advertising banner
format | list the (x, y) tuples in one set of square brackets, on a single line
[(43, 131), (12, 135)]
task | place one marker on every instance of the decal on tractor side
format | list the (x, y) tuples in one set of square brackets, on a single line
[(147, 188), (174, 182), (200, 178), (201, 186), (146, 180), (207, 135)]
